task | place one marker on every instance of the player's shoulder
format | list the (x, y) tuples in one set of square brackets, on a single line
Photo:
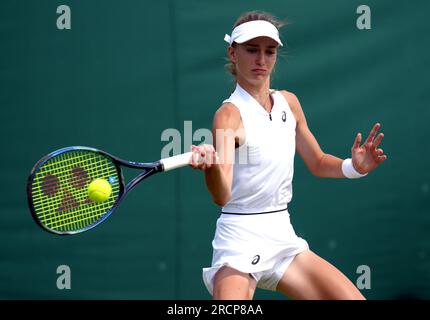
[(294, 103), (227, 115), (291, 98), (228, 111)]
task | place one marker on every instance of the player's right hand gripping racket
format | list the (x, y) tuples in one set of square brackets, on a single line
[(57, 188)]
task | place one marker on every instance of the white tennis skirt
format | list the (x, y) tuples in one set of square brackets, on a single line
[(254, 244)]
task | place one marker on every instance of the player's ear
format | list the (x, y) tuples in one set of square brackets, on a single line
[(231, 51)]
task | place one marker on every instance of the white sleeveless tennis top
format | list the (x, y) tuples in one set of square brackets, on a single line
[(264, 163)]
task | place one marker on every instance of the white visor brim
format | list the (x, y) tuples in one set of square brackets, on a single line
[(253, 29)]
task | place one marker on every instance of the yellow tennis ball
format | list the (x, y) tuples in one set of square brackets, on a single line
[(99, 190)]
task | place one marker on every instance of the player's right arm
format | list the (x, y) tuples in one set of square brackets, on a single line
[(217, 161)]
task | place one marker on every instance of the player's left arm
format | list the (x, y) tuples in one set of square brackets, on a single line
[(365, 158)]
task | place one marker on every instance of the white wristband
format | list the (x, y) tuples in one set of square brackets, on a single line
[(349, 170)]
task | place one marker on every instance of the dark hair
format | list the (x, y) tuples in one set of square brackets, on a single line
[(252, 16)]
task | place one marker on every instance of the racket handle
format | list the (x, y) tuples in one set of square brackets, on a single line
[(178, 161)]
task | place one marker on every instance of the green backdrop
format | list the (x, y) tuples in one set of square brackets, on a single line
[(127, 70)]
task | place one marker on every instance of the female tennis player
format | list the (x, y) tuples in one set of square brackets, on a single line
[(249, 173)]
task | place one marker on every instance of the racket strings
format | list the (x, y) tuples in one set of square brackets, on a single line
[(59, 189), (69, 201)]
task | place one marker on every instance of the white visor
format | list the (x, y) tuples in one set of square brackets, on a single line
[(253, 29)]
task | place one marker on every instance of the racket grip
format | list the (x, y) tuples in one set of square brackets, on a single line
[(178, 161)]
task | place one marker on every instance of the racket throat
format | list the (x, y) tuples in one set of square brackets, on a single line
[(146, 174)]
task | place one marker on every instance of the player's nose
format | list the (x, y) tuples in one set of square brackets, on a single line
[(260, 59)]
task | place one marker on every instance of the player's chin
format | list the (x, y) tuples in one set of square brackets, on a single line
[(258, 78)]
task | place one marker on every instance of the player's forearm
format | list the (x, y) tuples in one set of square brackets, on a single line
[(329, 167), (218, 185)]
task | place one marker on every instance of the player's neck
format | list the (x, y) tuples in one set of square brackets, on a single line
[(260, 92)]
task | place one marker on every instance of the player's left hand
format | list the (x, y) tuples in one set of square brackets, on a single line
[(367, 157)]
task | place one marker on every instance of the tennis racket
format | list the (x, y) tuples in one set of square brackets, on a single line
[(57, 187)]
